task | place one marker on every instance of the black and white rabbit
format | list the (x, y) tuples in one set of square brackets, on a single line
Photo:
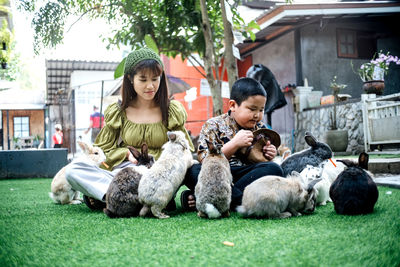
[(213, 188), (354, 192), (316, 154), (122, 195)]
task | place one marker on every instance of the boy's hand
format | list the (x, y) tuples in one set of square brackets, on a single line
[(243, 138), (269, 151)]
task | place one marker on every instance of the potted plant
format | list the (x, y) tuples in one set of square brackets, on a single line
[(16, 143), (335, 138), (36, 140), (373, 72)]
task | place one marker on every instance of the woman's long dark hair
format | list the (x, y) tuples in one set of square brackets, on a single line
[(161, 98)]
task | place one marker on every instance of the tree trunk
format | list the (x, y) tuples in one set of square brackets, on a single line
[(215, 86), (230, 60)]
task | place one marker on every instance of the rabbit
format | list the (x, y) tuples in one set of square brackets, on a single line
[(61, 190), (213, 189), (327, 171), (283, 153), (317, 153), (278, 197), (354, 192), (158, 185), (122, 195)]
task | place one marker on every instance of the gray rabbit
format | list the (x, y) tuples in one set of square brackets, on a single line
[(278, 197), (316, 154), (213, 188), (122, 194), (158, 185)]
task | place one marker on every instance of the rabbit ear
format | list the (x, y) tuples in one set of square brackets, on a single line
[(310, 139), (347, 162), (311, 185), (85, 147), (134, 152), (145, 150), (210, 145), (363, 160), (171, 136)]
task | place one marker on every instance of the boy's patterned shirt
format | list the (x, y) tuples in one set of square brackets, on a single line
[(221, 129)]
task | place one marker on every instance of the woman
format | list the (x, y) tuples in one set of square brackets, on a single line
[(144, 115)]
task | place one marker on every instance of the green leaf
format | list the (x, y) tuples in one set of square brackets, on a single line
[(252, 36), (119, 71), (151, 43), (253, 25)]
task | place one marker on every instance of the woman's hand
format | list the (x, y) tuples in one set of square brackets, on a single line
[(131, 158), (269, 151)]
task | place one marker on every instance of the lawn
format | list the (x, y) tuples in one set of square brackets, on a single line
[(36, 232)]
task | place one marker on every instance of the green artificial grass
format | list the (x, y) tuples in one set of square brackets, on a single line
[(37, 232)]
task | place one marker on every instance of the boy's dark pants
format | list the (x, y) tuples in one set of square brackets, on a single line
[(242, 177)]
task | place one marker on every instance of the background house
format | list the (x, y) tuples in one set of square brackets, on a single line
[(22, 117), (319, 41)]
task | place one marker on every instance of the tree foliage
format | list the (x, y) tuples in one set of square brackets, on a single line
[(174, 26)]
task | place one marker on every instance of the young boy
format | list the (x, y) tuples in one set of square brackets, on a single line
[(235, 130)]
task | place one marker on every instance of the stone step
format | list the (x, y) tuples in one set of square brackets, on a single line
[(391, 166)]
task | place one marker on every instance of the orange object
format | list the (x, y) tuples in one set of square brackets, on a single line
[(328, 99), (332, 162), (105, 164), (227, 243)]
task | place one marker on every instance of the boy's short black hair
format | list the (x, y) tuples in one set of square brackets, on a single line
[(244, 88)]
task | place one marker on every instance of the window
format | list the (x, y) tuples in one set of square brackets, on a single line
[(21, 126), (346, 42), (355, 44)]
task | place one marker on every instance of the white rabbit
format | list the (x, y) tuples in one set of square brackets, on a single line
[(159, 184), (61, 190), (213, 189), (327, 171), (278, 197)]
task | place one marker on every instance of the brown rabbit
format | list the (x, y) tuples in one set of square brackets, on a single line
[(122, 194), (213, 188)]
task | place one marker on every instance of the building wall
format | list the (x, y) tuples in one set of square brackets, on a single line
[(316, 121), (320, 62), (36, 123), (279, 57)]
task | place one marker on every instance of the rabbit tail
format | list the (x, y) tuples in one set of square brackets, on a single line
[(211, 211), (241, 210), (61, 198)]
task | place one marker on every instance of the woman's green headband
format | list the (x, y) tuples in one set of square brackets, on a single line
[(136, 56)]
